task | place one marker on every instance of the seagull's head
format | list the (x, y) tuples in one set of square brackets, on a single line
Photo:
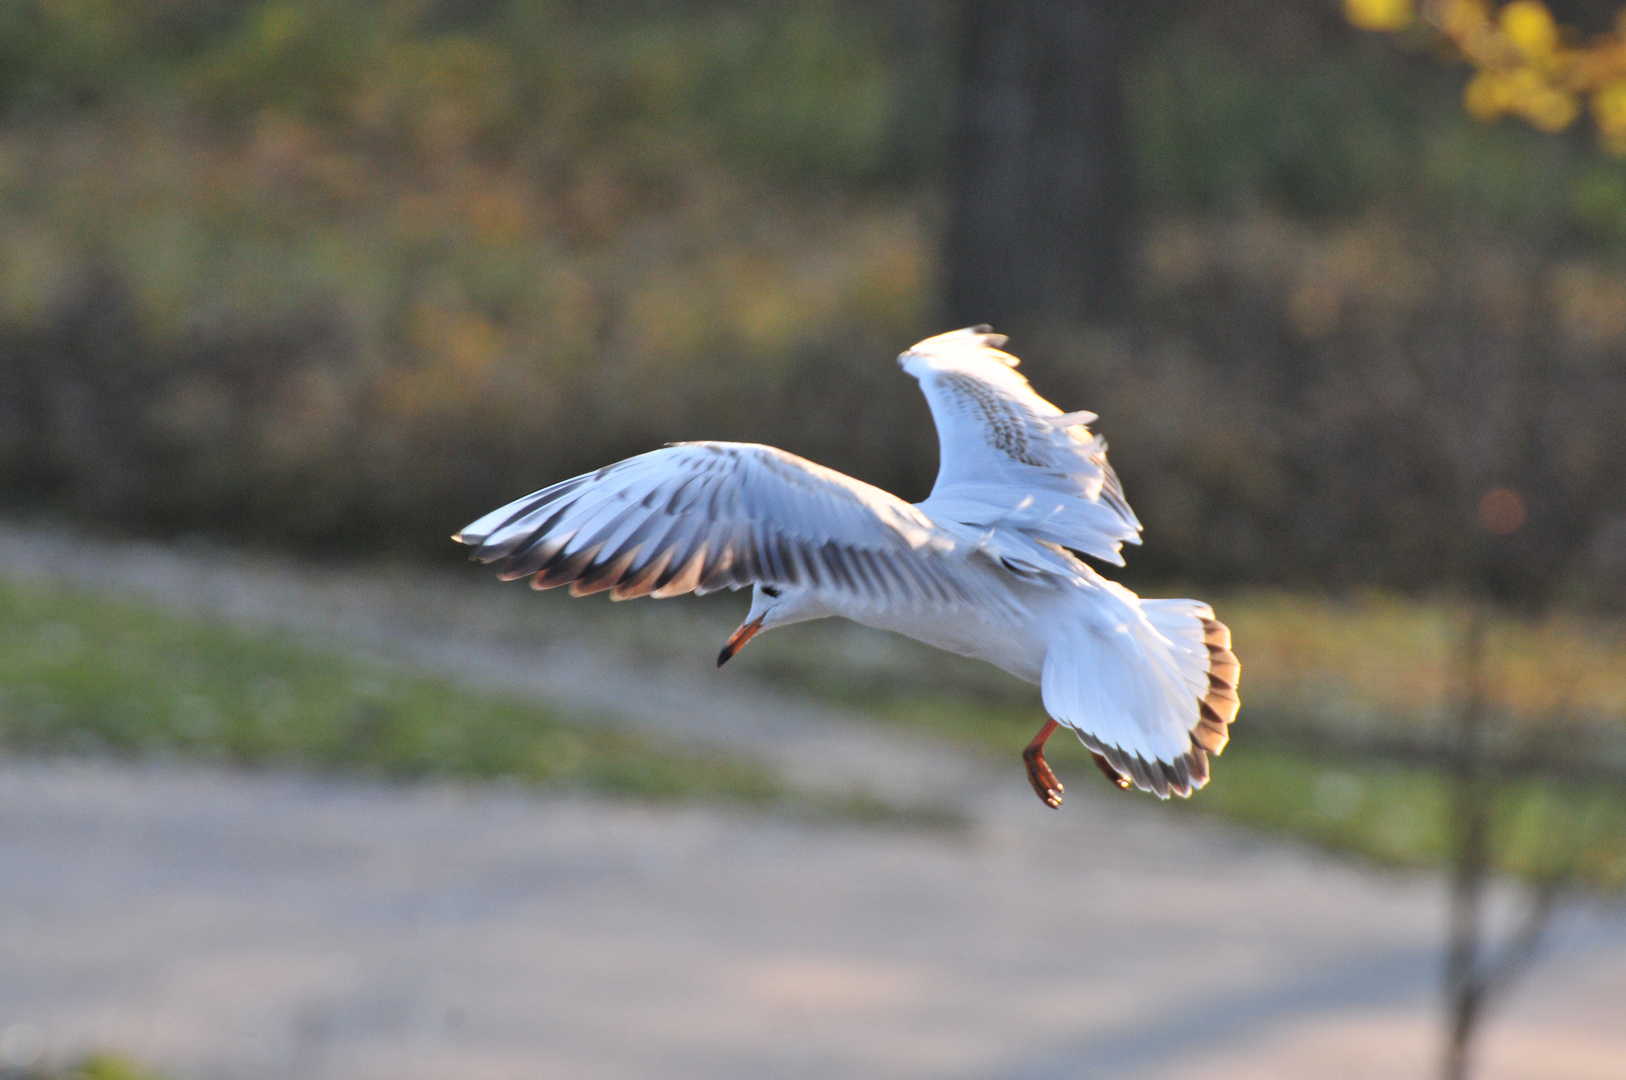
[(771, 606)]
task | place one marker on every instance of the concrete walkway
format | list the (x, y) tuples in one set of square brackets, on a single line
[(223, 925), (220, 924)]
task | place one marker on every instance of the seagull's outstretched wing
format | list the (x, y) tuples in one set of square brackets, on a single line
[(1011, 459), (694, 517)]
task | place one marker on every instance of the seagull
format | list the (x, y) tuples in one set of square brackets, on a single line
[(991, 565)]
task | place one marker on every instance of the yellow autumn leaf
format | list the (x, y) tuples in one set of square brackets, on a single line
[(1526, 65), (1488, 95), (1460, 18), (1609, 109), (1380, 15), (1529, 26), (1550, 109)]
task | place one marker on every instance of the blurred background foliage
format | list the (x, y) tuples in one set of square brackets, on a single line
[(347, 272)]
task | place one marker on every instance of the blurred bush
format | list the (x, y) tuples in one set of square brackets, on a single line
[(331, 271), (1361, 309), (1327, 404), (326, 272)]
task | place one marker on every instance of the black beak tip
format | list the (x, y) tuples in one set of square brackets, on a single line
[(737, 640)]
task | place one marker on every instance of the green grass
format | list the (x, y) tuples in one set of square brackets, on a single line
[(94, 1067), (1395, 656), (81, 673), (1400, 815), (1392, 814)]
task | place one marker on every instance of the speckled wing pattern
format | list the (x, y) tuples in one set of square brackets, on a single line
[(1011, 459)]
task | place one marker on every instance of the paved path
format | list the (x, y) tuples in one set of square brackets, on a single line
[(274, 926), (280, 927)]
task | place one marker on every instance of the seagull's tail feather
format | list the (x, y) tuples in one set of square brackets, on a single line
[(1220, 702), (1153, 693)]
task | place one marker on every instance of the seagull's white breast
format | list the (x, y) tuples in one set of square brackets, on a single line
[(1016, 645)]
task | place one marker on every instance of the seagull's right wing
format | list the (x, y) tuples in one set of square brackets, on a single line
[(694, 517), (1011, 459)]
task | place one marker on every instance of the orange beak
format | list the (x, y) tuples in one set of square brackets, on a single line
[(736, 640)]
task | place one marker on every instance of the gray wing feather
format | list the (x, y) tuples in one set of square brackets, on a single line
[(695, 517)]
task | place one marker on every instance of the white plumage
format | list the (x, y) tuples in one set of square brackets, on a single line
[(987, 566)]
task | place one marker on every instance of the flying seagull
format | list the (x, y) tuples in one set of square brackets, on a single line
[(990, 566)]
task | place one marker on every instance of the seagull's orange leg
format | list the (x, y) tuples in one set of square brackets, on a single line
[(1118, 779), (1045, 784)]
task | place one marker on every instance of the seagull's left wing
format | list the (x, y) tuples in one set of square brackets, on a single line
[(695, 517), (1009, 458)]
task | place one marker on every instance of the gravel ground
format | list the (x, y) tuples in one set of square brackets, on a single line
[(221, 924)]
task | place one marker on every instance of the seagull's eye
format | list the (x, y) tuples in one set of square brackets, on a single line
[(771, 590)]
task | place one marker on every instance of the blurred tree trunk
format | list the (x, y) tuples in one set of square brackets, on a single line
[(1470, 857), (1042, 189), (1475, 974)]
